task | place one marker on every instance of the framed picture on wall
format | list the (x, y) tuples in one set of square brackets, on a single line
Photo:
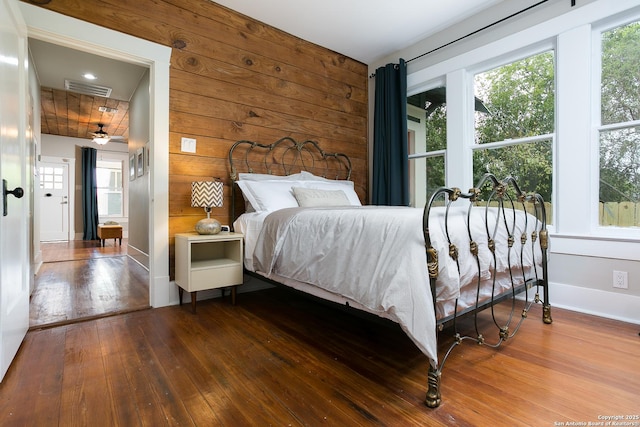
[(147, 156), (140, 161), (132, 167)]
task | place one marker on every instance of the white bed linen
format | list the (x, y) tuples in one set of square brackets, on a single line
[(376, 259)]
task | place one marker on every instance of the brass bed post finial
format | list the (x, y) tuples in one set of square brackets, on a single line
[(454, 194), (544, 239), (433, 398), (546, 314), (453, 251), (432, 262), (501, 190), (473, 247), (475, 194)]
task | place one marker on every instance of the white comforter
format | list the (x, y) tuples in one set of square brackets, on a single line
[(374, 256)]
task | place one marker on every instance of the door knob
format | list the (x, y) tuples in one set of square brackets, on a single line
[(48, 195), (16, 192)]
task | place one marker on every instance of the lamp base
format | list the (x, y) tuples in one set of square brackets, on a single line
[(208, 226)]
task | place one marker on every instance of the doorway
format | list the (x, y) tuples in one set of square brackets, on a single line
[(62, 30), (67, 287), (82, 279), (55, 203)]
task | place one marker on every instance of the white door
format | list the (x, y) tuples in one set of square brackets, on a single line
[(54, 201), (14, 252)]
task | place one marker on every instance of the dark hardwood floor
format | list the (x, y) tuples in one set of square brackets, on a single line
[(80, 280), (278, 358)]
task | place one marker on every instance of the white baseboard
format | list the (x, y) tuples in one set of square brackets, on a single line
[(612, 305)]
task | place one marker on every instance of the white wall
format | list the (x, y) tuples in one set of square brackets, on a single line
[(139, 187), (583, 255), (68, 150)]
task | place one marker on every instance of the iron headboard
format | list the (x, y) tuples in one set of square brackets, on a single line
[(284, 157)]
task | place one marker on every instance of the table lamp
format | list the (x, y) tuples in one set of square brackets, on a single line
[(207, 194)]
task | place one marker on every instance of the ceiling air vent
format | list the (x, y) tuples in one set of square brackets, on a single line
[(106, 109), (87, 89)]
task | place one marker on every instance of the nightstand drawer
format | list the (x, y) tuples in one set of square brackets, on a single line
[(216, 277)]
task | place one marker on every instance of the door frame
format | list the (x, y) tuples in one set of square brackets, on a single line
[(65, 31), (71, 185)]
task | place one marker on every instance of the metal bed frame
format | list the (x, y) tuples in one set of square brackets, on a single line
[(286, 156), (506, 197)]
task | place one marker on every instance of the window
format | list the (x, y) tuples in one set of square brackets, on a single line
[(110, 192), (51, 178), (515, 131), (427, 124), (619, 130)]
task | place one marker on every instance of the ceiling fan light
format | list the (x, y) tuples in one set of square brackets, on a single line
[(101, 140), (100, 137)]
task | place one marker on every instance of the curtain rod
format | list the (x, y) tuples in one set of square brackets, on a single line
[(481, 29), (573, 3)]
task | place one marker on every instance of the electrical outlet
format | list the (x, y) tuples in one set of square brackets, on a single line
[(620, 279)]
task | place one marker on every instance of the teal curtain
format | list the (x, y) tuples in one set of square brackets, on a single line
[(390, 152), (89, 194)]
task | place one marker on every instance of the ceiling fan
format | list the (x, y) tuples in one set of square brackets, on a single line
[(101, 137)]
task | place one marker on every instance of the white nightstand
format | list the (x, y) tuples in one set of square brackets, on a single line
[(208, 262)]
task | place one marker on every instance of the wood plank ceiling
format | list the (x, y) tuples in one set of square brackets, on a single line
[(77, 115)]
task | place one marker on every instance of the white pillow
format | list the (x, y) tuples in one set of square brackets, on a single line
[(346, 186), (300, 176), (311, 197), (269, 195), (308, 176), (245, 176)]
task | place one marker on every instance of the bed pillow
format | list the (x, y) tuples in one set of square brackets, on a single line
[(308, 176), (300, 176), (269, 195), (245, 176), (346, 186), (312, 197)]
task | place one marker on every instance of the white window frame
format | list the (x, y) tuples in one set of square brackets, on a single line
[(123, 158), (597, 29), (574, 218), (109, 190), (505, 59), (419, 196), (461, 110)]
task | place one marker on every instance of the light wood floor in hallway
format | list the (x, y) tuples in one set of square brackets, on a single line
[(81, 280), (281, 359)]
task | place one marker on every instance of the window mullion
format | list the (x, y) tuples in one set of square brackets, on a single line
[(459, 158)]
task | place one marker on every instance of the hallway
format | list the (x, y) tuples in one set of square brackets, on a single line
[(81, 280)]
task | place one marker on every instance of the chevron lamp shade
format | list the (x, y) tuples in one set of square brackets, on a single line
[(206, 194)]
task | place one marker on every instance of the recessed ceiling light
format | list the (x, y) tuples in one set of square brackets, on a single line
[(89, 76)]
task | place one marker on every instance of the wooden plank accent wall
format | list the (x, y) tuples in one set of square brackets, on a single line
[(234, 78)]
